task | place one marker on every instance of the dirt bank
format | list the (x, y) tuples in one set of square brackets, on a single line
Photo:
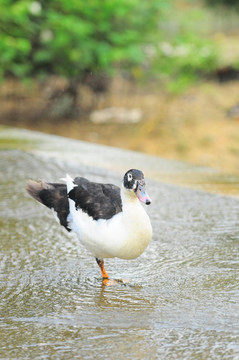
[(200, 126)]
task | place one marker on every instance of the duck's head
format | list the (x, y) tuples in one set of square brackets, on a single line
[(133, 181)]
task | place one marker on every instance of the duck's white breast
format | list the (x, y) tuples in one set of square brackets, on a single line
[(125, 235)]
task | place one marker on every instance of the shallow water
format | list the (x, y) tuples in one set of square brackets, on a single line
[(182, 301)]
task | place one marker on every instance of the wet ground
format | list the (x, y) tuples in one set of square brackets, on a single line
[(182, 301)]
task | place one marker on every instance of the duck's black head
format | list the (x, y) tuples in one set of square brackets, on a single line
[(134, 181)]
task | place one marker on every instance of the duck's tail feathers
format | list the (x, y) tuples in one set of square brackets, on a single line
[(52, 195), (34, 188)]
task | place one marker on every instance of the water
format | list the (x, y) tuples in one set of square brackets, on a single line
[(182, 301)]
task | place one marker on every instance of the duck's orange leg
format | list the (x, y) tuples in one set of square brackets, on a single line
[(105, 277), (102, 268)]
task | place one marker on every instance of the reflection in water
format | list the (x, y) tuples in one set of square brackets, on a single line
[(182, 299)]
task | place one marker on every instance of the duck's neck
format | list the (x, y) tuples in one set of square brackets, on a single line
[(128, 197)]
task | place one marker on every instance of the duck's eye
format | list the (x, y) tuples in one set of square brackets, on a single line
[(130, 177)]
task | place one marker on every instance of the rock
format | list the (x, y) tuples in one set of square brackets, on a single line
[(116, 115)]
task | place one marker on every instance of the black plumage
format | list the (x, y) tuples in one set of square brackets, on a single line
[(131, 176), (100, 201), (52, 195)]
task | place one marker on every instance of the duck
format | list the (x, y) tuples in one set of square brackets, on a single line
[(109, 221)]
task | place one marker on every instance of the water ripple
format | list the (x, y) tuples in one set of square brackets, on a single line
[(182, 299)]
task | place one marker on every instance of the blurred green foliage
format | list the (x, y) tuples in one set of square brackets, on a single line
[(71, 37), (185, 58), (74, 38)]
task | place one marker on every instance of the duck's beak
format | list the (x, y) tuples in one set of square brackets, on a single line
[(141, 194)]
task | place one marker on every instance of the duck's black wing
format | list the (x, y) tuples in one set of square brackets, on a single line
[(100, 201)]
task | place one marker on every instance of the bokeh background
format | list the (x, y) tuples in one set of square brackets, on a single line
[(158, 76)]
